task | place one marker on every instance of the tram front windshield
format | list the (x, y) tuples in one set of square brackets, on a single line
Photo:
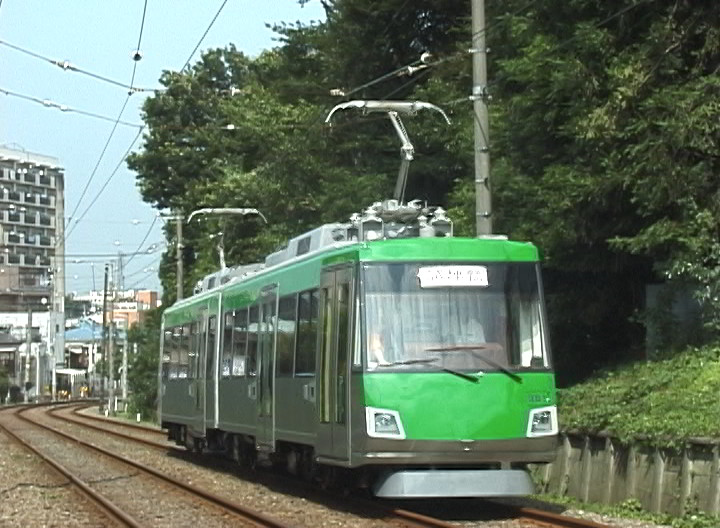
[(453, 317)]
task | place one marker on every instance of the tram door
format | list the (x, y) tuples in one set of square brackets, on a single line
[(336, 296), (267, 340), (198, 347), (210, 372)]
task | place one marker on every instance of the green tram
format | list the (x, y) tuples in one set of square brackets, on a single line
[(382, 352)]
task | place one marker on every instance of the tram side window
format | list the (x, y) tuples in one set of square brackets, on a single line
[(184, 360), (253, 328), (343, 348), (286, 335), (194, 350), (227, 355), (167, 347), (186, 350), (240, 341), (211, 348), (174, 353), (307, 315)]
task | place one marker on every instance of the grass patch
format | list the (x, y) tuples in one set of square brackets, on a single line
[(632, 509)]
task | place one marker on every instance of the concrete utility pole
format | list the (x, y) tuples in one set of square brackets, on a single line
[(104, 333), (28, 344), (111, 368), (124, 379), (483, 201)]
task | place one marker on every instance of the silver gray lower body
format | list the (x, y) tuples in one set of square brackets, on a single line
[(423, 483)]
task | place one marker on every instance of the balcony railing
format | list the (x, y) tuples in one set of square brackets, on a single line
[(45, 220), (13, 259), (13, 217), (14, 239), (45, 180), (14, 196), (45, 241), (30, 178), (44, 200)]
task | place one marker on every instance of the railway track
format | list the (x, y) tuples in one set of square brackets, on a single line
[(527, 517), (233, 514)]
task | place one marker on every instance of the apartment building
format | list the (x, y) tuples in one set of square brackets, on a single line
[(32, 245)]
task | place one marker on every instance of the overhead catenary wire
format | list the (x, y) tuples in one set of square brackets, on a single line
[(212, 23), (97, 165), (69, 66), (77, 220), (137, 55), (107, 181), (47, 103)]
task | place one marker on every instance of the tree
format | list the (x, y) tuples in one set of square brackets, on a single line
[(143, 366)]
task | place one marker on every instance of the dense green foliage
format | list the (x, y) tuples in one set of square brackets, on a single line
[(661, 402), (605, 122), (143, 365)]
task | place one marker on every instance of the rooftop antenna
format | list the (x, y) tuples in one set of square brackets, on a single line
[(221, 234), (393, 110)]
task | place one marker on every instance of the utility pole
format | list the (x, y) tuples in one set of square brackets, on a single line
[(483, 201), (124, 379), (111, 353), (178, 254), (28, 344), (111, 368), (104, 333)]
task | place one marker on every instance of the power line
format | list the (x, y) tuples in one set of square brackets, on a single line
[(47, 103), (143, 240), (212, 22), (137, 56), (107, 181), (68, 66), (97, 164)]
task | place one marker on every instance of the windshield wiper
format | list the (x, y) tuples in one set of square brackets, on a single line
[(428, 361), (473, 349), (408, 362)]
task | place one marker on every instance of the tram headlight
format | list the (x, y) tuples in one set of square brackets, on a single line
[(543, 421), (384, 423)]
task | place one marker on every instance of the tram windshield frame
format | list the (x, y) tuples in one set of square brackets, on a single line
[(456, 323)]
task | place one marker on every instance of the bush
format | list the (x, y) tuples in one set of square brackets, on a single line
[(663, 403)]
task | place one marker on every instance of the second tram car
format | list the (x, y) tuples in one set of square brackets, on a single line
[(383, 351)]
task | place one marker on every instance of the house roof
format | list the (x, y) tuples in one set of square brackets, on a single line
[(88, 331)]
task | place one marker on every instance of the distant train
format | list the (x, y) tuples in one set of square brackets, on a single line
[(383, 353)]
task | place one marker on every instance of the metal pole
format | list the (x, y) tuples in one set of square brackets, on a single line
[(483, 201), (28, 344), (104, 332), (111, 350), (124, 379), (178, 254), (111, 369)]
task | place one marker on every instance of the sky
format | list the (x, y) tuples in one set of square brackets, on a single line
[(100, 37)]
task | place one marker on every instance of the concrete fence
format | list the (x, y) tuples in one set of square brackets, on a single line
[(601, 469)]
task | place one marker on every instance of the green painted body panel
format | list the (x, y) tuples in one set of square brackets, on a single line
[(443, 406), (473, 249)]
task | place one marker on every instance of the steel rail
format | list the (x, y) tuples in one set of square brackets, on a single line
[(248, 514), (555, 520), (77, 411), (409, 518), (113, 511)]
